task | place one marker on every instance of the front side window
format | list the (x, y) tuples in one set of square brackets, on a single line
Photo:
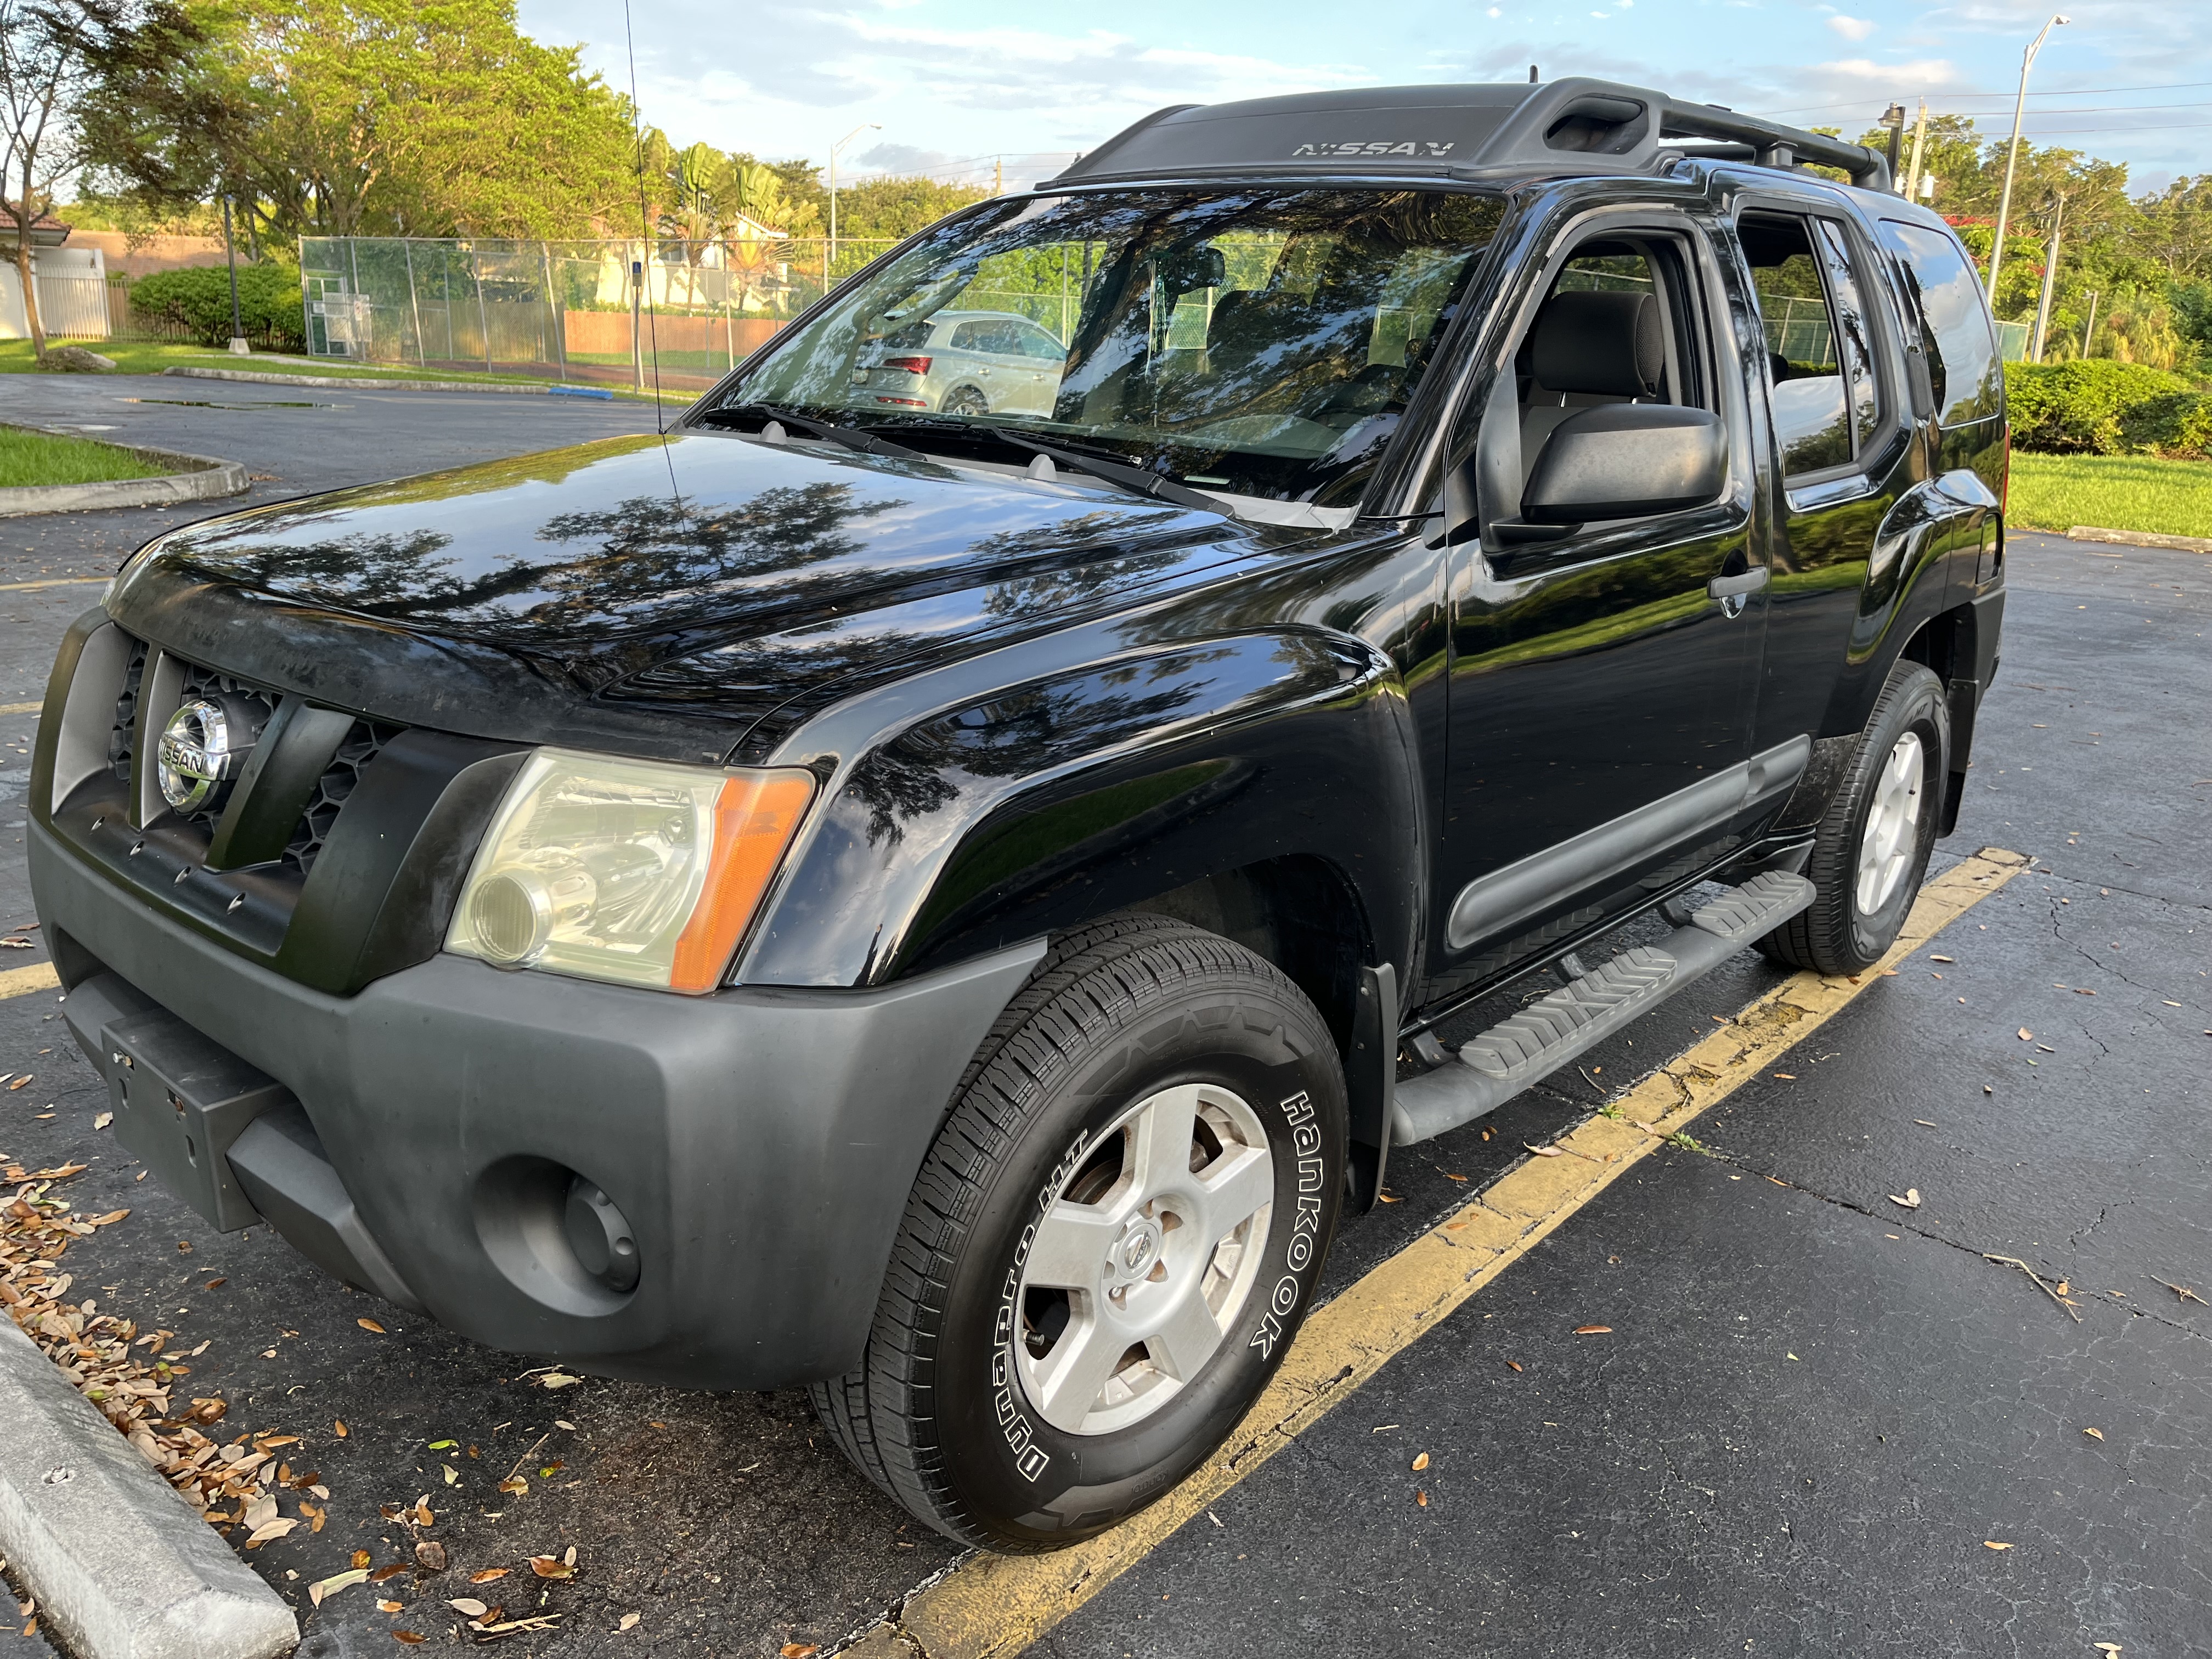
[(1262, 342)]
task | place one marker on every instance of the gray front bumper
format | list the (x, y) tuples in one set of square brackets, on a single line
[(761, 1141)]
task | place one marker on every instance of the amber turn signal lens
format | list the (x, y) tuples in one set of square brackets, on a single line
[(755, 819)]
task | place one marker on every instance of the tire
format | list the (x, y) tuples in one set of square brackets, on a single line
[(965, 400), (1871, 850), (1030, 1263)]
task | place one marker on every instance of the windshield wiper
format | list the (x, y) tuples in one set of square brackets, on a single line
[(1133, 479), (850, 437)]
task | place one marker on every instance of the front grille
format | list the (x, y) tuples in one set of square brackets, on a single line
[(206, 683), (123, 735), (361, 744), (337, 781)]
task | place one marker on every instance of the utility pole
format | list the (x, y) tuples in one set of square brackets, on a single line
[(1919, 137), (1893, 119), (2050, 280), (828, 263), (2089, 328), (997, 175), (2012, 151), (238, 344)]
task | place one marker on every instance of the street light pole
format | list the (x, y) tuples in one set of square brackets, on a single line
[(2012, 150), (230, 255), (865, 126)]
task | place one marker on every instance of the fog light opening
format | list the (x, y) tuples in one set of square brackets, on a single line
[(601, 1235)]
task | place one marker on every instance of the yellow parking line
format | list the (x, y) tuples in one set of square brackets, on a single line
[(20, 708), (992, 1607), (21, 982), (53, 582)]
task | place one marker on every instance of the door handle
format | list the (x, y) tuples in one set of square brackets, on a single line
[(1737, 587)]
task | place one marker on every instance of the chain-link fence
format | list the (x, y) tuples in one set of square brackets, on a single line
[(607, 312)]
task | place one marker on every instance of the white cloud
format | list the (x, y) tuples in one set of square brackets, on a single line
[(1851, 29)]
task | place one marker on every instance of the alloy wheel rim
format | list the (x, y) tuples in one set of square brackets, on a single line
[(1893, 826), (1144, 1259)]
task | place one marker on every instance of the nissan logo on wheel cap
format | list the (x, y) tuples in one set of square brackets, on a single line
[(203, 748)]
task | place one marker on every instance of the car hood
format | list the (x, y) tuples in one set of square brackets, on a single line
[(662, 595)]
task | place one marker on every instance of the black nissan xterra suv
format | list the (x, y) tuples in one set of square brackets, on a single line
[(925, 896)]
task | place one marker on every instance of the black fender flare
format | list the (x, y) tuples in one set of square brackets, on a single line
[(1007, 805)]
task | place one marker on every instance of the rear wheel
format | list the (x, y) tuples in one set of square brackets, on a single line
[(1109, 1247), (966, 400), (1871, 849)]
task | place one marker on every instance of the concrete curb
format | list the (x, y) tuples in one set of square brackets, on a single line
[(120, 1565), (360, 380), (204, 479), (2084, 532)]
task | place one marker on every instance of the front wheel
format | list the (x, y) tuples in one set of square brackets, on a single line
[(1110, 1245), (1871, 849)]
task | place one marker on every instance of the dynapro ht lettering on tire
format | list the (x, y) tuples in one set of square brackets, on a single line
[(1110, 1245)]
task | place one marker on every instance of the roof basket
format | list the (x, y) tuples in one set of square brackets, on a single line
[(1457, 132)]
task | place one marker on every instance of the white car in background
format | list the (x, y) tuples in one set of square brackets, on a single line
[(964, 362)]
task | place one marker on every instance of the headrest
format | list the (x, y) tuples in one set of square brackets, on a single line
[(1600, 341)]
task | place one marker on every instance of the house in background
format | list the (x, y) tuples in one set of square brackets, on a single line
[(72, 283)]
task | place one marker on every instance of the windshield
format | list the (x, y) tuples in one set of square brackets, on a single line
[(1259, 342)]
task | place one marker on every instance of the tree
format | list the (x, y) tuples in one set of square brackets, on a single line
[(54, 54)]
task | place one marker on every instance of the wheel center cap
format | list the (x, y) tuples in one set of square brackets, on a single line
[(1137, 1248)]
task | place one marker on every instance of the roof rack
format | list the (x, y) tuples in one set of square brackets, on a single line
[(1579, 123)]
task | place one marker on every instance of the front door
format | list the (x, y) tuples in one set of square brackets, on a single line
[(1602, 682)]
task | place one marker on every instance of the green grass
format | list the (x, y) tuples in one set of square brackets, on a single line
[(152, 356), (31, 458), (2111, 492)]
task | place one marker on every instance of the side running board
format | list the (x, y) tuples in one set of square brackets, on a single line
[(1545, 1035)]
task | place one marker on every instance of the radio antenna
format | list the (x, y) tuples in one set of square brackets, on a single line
[(641, 273)]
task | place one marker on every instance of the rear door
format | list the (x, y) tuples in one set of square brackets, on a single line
[(1601, 694)]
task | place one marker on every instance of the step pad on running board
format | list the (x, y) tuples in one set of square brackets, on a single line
[(1549, 1032)]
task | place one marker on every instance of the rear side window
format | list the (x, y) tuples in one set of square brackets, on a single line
[(1962, 353), (1815, 358)]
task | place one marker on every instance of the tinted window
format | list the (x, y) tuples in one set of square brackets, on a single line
[(1962, 357), (1812, 413)]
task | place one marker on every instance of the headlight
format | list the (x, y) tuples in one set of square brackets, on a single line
[(629, 870)]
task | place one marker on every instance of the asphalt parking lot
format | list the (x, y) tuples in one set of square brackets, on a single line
[(1814, 1411)]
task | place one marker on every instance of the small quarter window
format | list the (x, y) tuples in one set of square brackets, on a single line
[(1962, 356)]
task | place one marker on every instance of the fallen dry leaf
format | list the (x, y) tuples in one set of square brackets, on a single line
[(339, 1429), (629, 1621), (1992, 1544), (1543, 1151), (103, 1120), (1514, 1364), (1910, 1200), (371, 1325), (407, 1636), (468, 1605), (1592, 1330), (551, 1566), (2094, 1434), (557, 1379), (388, 1606), (335, 1583), (485, 1575), (799, 1651), (2026, 1036), (392, 1572), (432, 1554), (1422, 1461), (1422, 1499), (360, 1558), (269, 1529)]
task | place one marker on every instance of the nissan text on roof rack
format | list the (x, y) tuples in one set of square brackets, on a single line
[(917, 883)]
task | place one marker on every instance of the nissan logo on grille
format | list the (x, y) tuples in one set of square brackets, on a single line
[(203, 748)]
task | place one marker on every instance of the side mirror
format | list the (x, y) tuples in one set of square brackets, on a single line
[(1625, 460)]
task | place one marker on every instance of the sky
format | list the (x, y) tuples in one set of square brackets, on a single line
[(972, 92)]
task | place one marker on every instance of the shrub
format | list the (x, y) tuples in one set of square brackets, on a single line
[(2176, 423), (198, 297), (2078, 408)]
